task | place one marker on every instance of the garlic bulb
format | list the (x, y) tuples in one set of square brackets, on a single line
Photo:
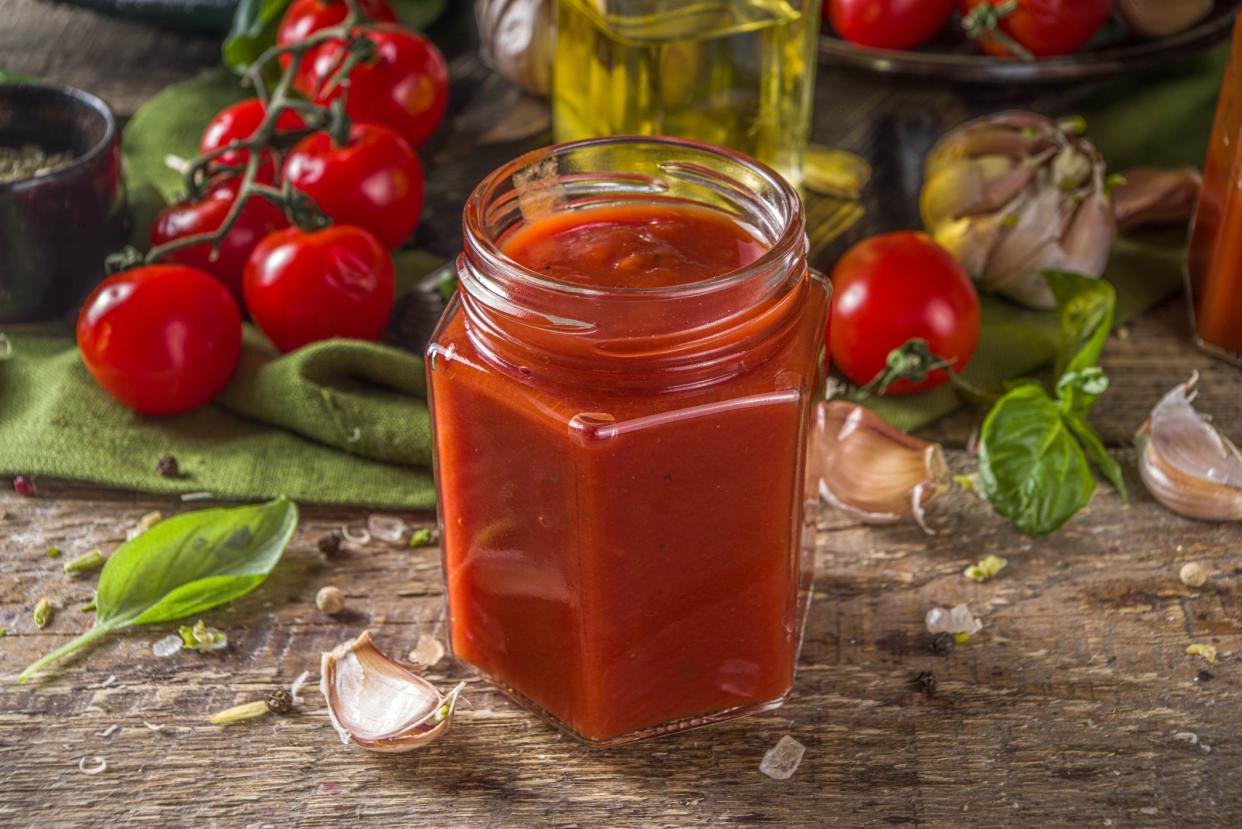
[(1158, 18), (871, 469), (1186, 463), (516, 39), (380, 705), (1014, 193)]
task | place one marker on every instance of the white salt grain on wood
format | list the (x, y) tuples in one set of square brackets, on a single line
[(167, 646), (782, 759), (386, 528)]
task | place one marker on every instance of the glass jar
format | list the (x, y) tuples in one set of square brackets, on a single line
[(1214, 263), (626, 522), (737, 73)]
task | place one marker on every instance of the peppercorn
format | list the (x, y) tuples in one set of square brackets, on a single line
[(926, 683), (942, 644), (280, 701), (330, 544), (1204, 675), (330, 600), (168, 467)]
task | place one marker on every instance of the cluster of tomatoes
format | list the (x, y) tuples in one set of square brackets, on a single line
[(165, 338), (1043, 27)]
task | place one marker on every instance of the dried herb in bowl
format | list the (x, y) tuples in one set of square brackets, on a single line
[(28, 161)]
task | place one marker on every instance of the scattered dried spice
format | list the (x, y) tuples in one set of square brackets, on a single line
[(3, 633), (42, 612), (29, 161), (942, 644), (99, 765), (85, 562), (280, 701), (25, 486), (202, 638), (782, 760), (1193, 574), (53, 552), (925, 682), (89, 607), (1208, 652), (427, 652), (145, 523), (1204, 675), (330, 600), (421, 537), (958, 621), (168, 467), (330, 544), (985, 569)]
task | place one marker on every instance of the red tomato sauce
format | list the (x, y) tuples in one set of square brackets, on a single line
[(620, 557)]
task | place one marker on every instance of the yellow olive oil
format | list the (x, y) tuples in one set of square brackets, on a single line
[(737, 73)]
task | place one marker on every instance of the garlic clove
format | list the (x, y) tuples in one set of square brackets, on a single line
[(970, 186), (1087, 242), (1186, 463), (872, 470), (1160, 18), (1155, 195), (379, 705)]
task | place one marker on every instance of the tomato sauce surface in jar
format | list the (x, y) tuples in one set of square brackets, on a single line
[(621, 394)]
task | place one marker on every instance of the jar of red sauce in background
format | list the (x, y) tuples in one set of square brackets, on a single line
[(1214, 264), (621, 392)]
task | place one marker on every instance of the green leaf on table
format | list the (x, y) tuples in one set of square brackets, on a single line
[(254, 30), (1077, 393), (1030, 466), (185, 565), (1085, 308)]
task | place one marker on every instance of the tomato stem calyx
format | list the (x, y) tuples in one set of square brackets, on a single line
[(983, 22), (913, 361)]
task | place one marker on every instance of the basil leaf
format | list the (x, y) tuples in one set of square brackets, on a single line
[(185, 565), (418, 14), (1030, 466), (1078, 390), (1098, 454), (254, 30), (1085, 307)]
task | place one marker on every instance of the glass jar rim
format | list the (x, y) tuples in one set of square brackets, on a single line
[(476, 236)]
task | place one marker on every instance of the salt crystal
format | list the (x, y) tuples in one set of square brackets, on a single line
[(782, 759), (106, 683), (153, 726), (957, 620), (109, 731), (386, 528), (100, 765), (167, 646), (427, 652)]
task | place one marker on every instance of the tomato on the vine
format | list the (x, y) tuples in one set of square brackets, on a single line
[(895, 287), (161, 339), (373, 181), (403, 87), (258, 219), (1043, 27), (305, 17), (237, 123), (303, 287), (888, 24)]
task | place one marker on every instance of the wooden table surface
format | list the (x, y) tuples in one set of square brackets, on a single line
[(1076, 705)]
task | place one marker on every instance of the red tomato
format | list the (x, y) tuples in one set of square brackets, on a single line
[(375, 181), (161, 339), (238, 122), (1044, 27), (304, 287), (405, 87), (258, 219), (304, 17), (888, 24), (892, 288)]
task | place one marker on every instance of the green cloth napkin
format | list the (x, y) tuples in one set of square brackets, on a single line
[(341, 422)]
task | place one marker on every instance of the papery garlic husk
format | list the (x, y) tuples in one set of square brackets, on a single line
[(1186, 463), (1159, 18), (515, 37), (1013, 194), (1156, 195), (872, 470), (380, 705)]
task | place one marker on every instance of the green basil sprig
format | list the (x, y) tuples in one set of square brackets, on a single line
[(183, 566), (1036, 449)]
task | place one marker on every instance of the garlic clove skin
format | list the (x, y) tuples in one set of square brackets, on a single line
[(378, 704), (1155, 196), (871, 470), (1186, 463)]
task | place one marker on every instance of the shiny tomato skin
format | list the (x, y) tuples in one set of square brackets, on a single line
[(238, 122), (895, 287), (304, 287), (888, 24), (161, 339), (404, 87), (373, 181), (1045, 27), (305, 17), (258, 219)]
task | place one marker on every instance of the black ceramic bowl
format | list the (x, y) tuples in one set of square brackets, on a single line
[(57, 228)]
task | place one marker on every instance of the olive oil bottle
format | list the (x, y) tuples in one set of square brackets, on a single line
[(737, 73)]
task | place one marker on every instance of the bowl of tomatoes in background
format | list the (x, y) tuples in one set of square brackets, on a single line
[(1009, 41)]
